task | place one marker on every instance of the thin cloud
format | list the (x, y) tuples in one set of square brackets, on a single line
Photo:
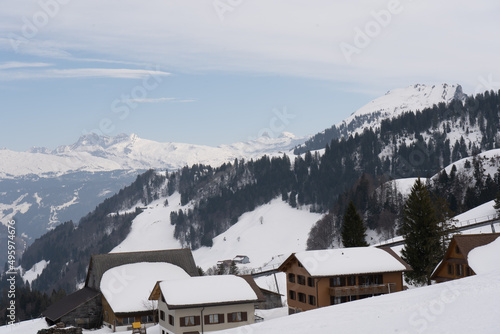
[(17, 64), (161, 99), (119, 73)]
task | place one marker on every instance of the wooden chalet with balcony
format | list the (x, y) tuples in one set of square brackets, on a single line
[(327, 277)]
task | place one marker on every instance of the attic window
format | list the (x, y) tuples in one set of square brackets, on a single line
[(300, 264), (457, 250)]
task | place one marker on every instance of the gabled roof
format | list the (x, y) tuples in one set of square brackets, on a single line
[(467, 242), (101, 263), (127, 287), (67, 304), (255, 287), (347, 261), (204, 291)]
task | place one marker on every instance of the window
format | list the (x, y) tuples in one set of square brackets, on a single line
[(312, 300), (351, 280), (162, 315), (310, 282), (457, 250), (337, 281), (301, 280), (291, 278), (302, 297), (370, 279), (146, 319), (292, 295), (171, 320), (450, 269), (190, 321), (214, 319), (300, 265), (459, 270), (128, 320), (236, 317), (163, 298)]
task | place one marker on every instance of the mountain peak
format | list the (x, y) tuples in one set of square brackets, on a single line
[(398, 101)]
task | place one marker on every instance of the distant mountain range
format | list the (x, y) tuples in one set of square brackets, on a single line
[(42, 188), (94, 153)]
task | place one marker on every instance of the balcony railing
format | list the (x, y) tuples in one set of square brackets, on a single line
[(358, 290)]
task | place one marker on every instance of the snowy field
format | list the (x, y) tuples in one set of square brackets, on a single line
[(270, 230)]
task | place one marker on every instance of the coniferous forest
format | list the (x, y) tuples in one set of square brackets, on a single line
[(356, 168)]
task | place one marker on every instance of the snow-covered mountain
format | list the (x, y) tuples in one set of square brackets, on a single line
[(95, 153), (394, 103), (42, 188), (398, 101)]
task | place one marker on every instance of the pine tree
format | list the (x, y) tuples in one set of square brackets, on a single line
[(422, 232), (353, 230), (233, 269), (497, 203)]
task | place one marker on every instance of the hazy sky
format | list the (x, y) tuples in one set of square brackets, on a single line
[(222, 71)]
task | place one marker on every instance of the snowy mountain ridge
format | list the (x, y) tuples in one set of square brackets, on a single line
[(98, 153), (398, 101)]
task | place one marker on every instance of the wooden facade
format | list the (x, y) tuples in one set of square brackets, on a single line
[(306, 292), (124, 320), (455, 264)]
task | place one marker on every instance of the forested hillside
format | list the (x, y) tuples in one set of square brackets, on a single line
[(413, 144)]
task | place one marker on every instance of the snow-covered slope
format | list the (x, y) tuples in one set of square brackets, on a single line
[(398, 101), (123, 152), (271, 229), (466, 305)]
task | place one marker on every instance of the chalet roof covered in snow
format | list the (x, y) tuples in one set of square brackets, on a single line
[(100, 263), (127, 287), (484, 259), (207, 290), (348, 261)]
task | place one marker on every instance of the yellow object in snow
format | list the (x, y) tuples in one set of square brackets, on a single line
[(136, 325)]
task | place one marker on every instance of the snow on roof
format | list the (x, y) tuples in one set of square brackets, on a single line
[(127, 287), (345, 261), (485, 258), (207, 290)]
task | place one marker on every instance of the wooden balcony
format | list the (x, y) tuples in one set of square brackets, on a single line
[(358, 290)]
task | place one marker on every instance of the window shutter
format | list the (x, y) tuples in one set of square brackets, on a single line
[(221, 318), (230, 317), (206, 319), (243, 316), (182, 322), (196, 320)]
